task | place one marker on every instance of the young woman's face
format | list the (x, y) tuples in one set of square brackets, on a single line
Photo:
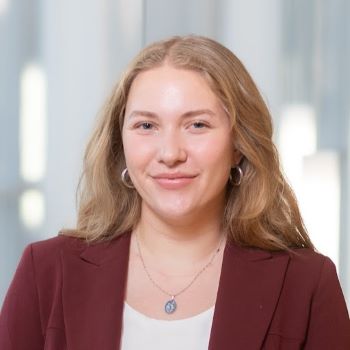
[(178, 143)]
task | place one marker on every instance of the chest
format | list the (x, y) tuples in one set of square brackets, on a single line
[(149, 292)]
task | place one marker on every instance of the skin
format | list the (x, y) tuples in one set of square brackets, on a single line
[(175, 123)]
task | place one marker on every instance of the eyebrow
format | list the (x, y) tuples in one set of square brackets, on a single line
[(188, 114)]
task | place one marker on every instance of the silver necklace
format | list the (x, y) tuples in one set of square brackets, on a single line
[(171, 305)]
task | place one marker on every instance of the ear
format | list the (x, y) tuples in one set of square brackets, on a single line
[(236, 157), (236, 154)]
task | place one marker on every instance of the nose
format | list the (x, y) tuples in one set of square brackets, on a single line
[(171, 149)]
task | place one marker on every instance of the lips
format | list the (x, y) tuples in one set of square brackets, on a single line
[(173, 181), (173, 175)]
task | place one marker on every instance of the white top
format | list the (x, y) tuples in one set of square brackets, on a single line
[(146, 333)]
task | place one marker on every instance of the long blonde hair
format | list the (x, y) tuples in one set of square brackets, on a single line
[(262, 212)]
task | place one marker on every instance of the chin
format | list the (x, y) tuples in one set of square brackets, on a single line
[(175, 208), (178, 214)]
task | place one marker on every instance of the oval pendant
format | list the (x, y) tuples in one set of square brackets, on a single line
[(170, 306)]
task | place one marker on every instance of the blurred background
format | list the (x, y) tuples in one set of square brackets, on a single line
[(60, 59)]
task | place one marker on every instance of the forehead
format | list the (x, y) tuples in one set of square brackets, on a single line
[(171, 86)]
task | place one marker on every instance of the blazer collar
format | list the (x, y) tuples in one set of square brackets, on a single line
[(94, 283)]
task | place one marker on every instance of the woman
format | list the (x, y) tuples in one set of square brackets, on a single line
[(188, 236)]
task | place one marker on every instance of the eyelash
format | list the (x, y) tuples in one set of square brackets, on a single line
[(202, 124)]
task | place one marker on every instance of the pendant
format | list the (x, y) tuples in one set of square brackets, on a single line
[(170, 306)]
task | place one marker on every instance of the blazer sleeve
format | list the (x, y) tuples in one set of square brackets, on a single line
[(20, 326), (329, 325)]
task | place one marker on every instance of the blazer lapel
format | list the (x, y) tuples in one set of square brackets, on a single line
[(93, 294), (250, 284)]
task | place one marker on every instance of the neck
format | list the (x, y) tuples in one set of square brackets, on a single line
[(179, 247)]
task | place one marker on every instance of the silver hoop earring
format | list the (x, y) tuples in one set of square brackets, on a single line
[(125, 176), (237, 179)]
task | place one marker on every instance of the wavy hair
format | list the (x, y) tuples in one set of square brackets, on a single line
[(262, 212)]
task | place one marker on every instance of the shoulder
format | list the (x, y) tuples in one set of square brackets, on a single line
[(310, 275), (49, 248), (43, 258), (51, 251), (308, 258), (304, 267), (311, 291), (308, 266), (299, 259), (307, 262), (44, 261)]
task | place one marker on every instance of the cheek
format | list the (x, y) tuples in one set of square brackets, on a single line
[(137, 152), (214, 152)]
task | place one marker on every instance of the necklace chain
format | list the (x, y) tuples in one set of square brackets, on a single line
[(193, 280)]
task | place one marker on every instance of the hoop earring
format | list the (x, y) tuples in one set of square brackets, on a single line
[(125, 176), (239, 178)]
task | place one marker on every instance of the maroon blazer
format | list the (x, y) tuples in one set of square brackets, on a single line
[(67, 295)]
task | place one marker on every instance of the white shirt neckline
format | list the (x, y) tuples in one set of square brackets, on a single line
[(139, 314)]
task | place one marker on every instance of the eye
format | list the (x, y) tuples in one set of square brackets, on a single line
[(144, 126), (199, 125)]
